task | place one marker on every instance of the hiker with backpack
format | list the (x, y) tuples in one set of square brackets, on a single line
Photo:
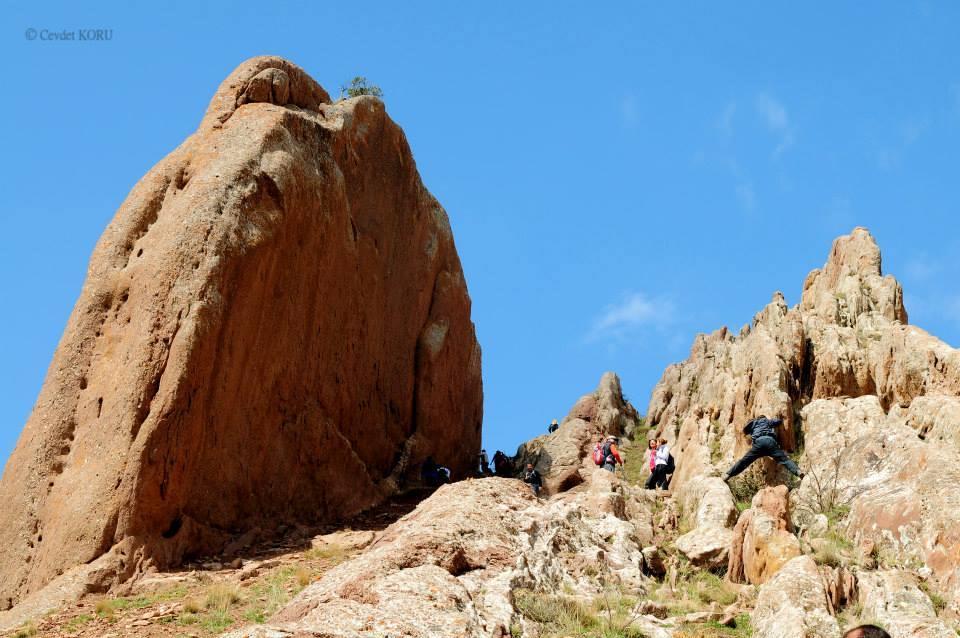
[(532, 478), (763, 433), (606, 455), (662, 465), (502, 465)]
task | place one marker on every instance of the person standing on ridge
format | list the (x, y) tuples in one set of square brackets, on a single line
[(763, 432), (484, 463), (611, 456), (532, 478), (553, 426)]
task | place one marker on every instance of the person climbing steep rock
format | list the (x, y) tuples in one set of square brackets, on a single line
[(763, 432), (553, 427)]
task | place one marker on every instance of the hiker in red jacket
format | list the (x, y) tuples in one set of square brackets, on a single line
[(611, 456)]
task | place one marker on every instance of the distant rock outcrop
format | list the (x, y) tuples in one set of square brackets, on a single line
[(869, 402), (563, 457), (274, 328)]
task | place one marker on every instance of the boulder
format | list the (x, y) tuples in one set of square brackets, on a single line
[(706, 547), (274, 328), (709, 509), (452, 567), (762, 540), (893, 599), (793, 604)]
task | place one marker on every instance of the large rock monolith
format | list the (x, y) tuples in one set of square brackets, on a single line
[(274, 329)]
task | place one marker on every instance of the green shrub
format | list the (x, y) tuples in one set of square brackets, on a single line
[(359, 86)]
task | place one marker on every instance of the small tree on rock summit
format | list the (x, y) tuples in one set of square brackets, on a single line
[(359, 86)]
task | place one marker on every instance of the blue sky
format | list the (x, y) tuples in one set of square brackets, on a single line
[(619, 177)]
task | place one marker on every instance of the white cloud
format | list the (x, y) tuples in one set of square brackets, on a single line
[(725, 121), (921, 268), (774, 115), (633, 311), (629, 114), (746, 196), (912, 130)]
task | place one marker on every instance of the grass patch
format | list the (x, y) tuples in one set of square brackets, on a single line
[(939, 602), (213, 610), (557, 616), (635, 470), (742, 629), (221, 596), (276, 591), (107, 607), (77, 622), (696, 590), (26, 630), (331, 553), (745, 486)]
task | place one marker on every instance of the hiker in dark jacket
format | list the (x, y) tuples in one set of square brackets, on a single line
[(502, 465), (430, 472), (763, 431), (532, 478)]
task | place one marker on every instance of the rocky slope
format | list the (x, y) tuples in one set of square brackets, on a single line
[(869, 404), (274, 329), (463, 561)]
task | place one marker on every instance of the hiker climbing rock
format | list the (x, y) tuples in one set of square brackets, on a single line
[(553, 427), (610, 454), (532, 478), (763, 432)]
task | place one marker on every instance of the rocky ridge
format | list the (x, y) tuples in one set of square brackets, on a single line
[(869, 403)]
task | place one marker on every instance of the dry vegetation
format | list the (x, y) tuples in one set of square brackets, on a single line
[(204, 603)]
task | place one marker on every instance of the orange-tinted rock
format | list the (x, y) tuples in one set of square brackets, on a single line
[(763, 541), (274, 328), (876, 401), (564, 458)]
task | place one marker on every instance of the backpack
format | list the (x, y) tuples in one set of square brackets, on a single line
[(671, 465), (598, 455)]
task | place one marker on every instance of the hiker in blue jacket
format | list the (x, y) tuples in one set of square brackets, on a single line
[(763, 431)]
